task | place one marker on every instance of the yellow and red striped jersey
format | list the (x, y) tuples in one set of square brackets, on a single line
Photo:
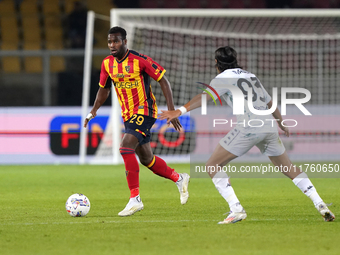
[(131, 79)]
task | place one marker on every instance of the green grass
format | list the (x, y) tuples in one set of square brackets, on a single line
[(281, 220)]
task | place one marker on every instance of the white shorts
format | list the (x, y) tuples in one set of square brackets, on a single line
[(239, 143)]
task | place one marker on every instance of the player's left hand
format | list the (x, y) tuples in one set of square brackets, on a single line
[(169, 115)]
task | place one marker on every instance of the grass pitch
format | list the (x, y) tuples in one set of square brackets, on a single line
[(281, 220)]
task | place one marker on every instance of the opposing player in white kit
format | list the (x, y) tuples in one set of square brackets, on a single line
[(243, 137)]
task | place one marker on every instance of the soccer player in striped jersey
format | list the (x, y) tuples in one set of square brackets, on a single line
[(243, 137), (130, 73)]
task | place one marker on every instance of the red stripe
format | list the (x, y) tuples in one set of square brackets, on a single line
[(120, 99), (146, 108), (327, 133), (154, 114), (125, 102), (123, 94), (120, 70), (130, 63), (135, 97), (111, 61), (40, 132), (146, 104)]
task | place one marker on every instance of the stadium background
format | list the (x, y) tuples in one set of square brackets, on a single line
[(35, 178), (42, 58)]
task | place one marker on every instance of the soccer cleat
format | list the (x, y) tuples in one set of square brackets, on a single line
[(325, 212), (234, 217), (182, 185), (135, 204)]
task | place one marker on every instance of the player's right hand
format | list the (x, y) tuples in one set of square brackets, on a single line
[(89, 117), (177, 125)]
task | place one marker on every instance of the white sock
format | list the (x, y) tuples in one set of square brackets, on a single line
[(305, 185), (221, 181)]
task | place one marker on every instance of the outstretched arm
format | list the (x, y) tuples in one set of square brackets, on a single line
[(277, 115), (167, 92), (191, 105), (102, 95)]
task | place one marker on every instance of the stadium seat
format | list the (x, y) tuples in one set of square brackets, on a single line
[(57, 64), (31, 29), (97, 61), (54, 41), (7, 7), (53, 28), (68, 5), (9, 29), (103, 8), (10, 41), (29, 7), (10, 64), (51, 6), (32, 64)]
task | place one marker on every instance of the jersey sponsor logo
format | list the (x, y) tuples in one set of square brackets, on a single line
[(121, 75), (126, 84), (239, 71), (252, 89)]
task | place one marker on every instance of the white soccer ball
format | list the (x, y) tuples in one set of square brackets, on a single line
[(77, 205)]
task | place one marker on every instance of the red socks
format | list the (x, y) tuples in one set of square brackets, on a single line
[(132, 170), (159, 167)]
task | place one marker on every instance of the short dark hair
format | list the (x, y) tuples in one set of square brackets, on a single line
[(120, 30), (226, 58)]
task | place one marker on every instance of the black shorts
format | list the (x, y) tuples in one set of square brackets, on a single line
[(140, 125)]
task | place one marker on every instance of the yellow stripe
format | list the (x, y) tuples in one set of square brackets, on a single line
[(152, 162), (115, 71), (140, 132), (106, 64), (154, 106), (162, 74), (128, 91), (141, 94)]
